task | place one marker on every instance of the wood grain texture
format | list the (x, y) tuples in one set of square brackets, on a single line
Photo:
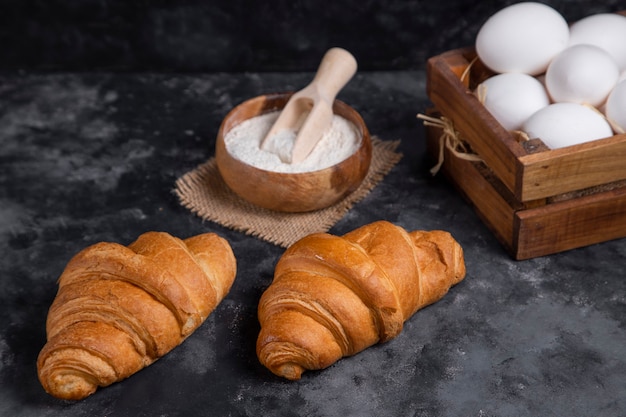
[(489, 204), (475, 124), (291, 192), (451, 79), (571, 224), (539, 227), (573, 168)]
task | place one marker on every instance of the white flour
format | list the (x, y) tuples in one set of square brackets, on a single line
[(243, 142)]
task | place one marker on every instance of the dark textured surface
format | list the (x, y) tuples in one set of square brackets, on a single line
[(243, 35), (87, 158), (93, 156)]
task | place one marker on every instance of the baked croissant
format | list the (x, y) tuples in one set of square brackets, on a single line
[(118, 308), (335, 296)]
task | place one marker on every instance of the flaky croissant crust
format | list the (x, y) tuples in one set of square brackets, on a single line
[(118, 308), (335, 296)]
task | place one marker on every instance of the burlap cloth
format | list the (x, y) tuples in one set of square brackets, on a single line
[(204, 192)]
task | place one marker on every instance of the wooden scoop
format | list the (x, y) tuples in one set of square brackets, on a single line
[(309, 112)]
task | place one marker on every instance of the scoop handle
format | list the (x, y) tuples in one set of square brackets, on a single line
[(335, 70)]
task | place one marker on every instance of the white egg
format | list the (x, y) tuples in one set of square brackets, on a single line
[(523, 37), (583, 74), (564, 124), (616, 107), (605, 30), (512, 97)]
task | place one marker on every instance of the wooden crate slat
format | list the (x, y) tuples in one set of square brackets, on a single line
[(542, 228), (583, 166), (491, 207), (571, 224), (528, 176), (484, 134)]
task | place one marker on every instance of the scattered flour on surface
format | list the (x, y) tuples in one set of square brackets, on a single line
[(337, 144)]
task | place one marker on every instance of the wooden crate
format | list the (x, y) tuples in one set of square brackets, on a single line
[(537, 201)]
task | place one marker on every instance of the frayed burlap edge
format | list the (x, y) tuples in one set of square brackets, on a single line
[(205, 194)]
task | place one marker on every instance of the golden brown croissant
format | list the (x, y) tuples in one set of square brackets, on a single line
[(335, 296), (118, 308)]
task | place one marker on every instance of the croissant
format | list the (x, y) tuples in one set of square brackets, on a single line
[(335, 296), (118, 308)]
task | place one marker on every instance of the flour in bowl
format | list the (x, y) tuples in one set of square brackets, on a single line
[(337, 144)]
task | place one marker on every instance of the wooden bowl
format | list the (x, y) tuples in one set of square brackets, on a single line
[(291, 192)]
